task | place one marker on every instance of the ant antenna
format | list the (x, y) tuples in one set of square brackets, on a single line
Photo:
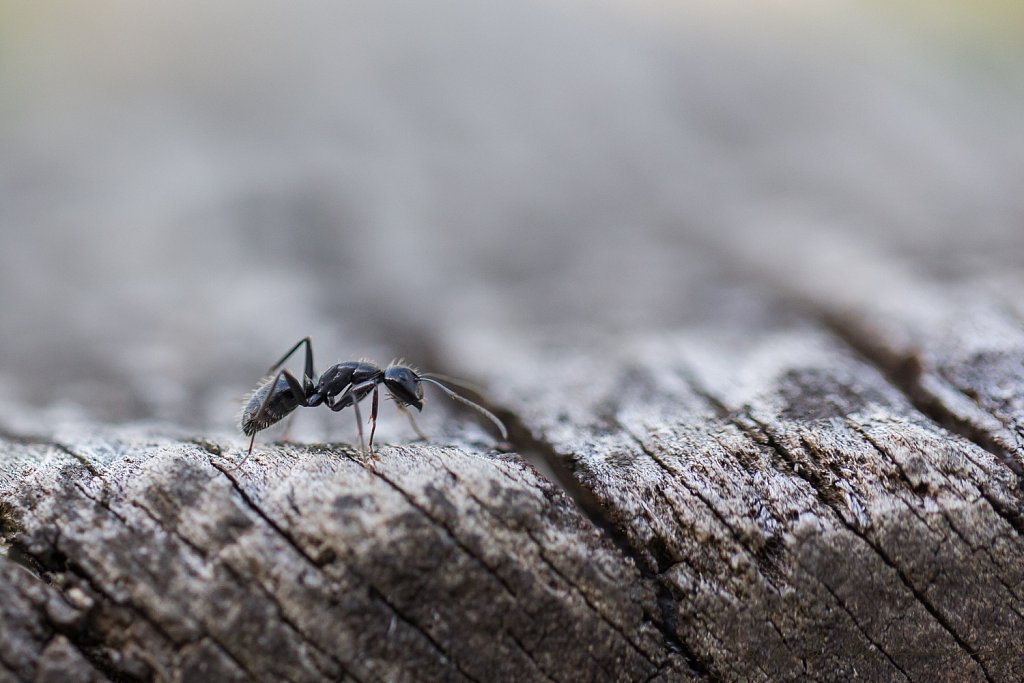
[(465, 401), (461, 383)]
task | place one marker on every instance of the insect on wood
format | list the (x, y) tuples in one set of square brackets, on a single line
[(340, 386)]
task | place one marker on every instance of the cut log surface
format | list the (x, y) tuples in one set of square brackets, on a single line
[(38, 624), (769, 502), (748, 305), (789, 496), (957, 353), (313, 563)]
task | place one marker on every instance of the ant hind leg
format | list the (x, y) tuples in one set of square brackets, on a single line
[(297, 390), (309, 374)]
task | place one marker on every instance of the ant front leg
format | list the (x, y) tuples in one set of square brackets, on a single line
[(359, 393), (355, 393), (338, 403)]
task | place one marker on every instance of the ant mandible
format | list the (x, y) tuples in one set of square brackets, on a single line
[(341, 385)]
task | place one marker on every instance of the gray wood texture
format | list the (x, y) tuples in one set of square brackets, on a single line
[(757, 500), (749, 305), (787, 495)]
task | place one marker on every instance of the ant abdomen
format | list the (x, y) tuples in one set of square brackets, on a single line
[(282, 401)]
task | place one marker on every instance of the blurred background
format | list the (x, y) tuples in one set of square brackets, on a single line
[(188, 188)]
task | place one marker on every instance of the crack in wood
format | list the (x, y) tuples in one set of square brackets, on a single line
[(66, 566), (677, 476), (995, 565), (760, 432), (944, 375), (553, 464), (374, 591), (177, 645), (524, 442), (860, 627), (554, 568), (573, 584), (707, 504), (820, 487), (536, 450), (905, 373), (36, 628), (491, 571), (786, 466), (77, 637), (402, 616), (536, 664), (241, 580), (137, 609)]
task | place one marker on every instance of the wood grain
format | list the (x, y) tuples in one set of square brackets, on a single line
[(313, 563), (771, 498)]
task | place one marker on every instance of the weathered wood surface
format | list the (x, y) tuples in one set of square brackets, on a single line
[(38, 626), (756, 502), (313, 563), (791, 497), (762, 356)]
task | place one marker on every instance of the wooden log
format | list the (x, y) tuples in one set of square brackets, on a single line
[(313, 563), (39, 628), (957, 352), (765, 500), (833, 498), (808, 521)]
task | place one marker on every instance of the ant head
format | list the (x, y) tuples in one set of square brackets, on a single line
[(404, 385)]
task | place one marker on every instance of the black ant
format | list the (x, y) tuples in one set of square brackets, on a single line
[(341, 385)]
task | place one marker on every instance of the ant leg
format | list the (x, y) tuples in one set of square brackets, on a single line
[(356, 393), (333, 402), (359, 424), (247, 454), (309, 373), (293, 384), (415, 427), (373, 414), (296, 388)]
